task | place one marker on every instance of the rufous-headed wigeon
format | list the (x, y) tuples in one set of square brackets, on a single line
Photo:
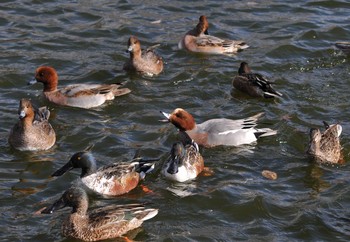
[(77, 95), (253, 84), (184, 162), (98, 224), (220, 131), (112, 180), (145, 62), (198, 40), (325, 147), (33, 131)]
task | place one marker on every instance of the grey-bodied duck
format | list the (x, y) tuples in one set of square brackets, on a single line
[(199, 40)]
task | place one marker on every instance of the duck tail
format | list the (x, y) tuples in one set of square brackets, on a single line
[(145, 166), (146, 214), (120, 91), (264, 132)]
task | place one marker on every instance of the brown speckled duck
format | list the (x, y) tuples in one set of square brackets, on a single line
[(33, 131), (99, 224), (145, 62), (253, 84), (326, 148), (199, 40)]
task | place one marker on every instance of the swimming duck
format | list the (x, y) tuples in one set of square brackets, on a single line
[(198, 40), (98, 224), (112, 180), (77, 95), (344, 46), (253, 84), (33, 131), (185, 162), (326, 147), (144, 62), (219, 131)]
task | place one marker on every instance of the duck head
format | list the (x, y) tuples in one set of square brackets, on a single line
[(83, 160), (74, 197)]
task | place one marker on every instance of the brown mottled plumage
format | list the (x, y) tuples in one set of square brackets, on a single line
[(33, 131), (99, 224), (144, 62), (326, 148)]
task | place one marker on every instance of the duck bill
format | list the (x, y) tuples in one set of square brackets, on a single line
[(63, 169), (167, 116), (22, 114), (31, 82), (174, 165), (56, 206)]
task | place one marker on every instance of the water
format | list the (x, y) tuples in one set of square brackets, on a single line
[(292, 43)]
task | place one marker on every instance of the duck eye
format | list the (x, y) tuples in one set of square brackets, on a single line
[(41, 73), (78, 157)]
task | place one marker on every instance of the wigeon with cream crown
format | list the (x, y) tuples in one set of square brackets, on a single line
[(219, 131), (253, 84), (77, 95), (145, 62), (33, 131), (199, 40)]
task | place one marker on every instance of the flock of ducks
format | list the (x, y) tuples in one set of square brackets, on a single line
[(33, 132)]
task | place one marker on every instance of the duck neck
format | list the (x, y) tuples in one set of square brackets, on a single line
[(81, 207), (88, 165), (27, 121), (51, 85)]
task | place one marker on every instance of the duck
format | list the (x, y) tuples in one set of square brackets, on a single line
[(325, 147), (76, 95), (98, 224), (32, 132), (253, 84), (199, 40), (145, 62), (219, 131), (185, 162), (344, 46), (111, 180)]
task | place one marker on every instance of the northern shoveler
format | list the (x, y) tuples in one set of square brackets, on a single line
[(114, 179), (326, 147), (99, 224), (253, 84), (220, 131), (33, 131)]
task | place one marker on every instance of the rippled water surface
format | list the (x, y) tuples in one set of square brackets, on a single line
[(291, 42)]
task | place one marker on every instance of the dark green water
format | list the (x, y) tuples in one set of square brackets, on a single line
[(292, 43)]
